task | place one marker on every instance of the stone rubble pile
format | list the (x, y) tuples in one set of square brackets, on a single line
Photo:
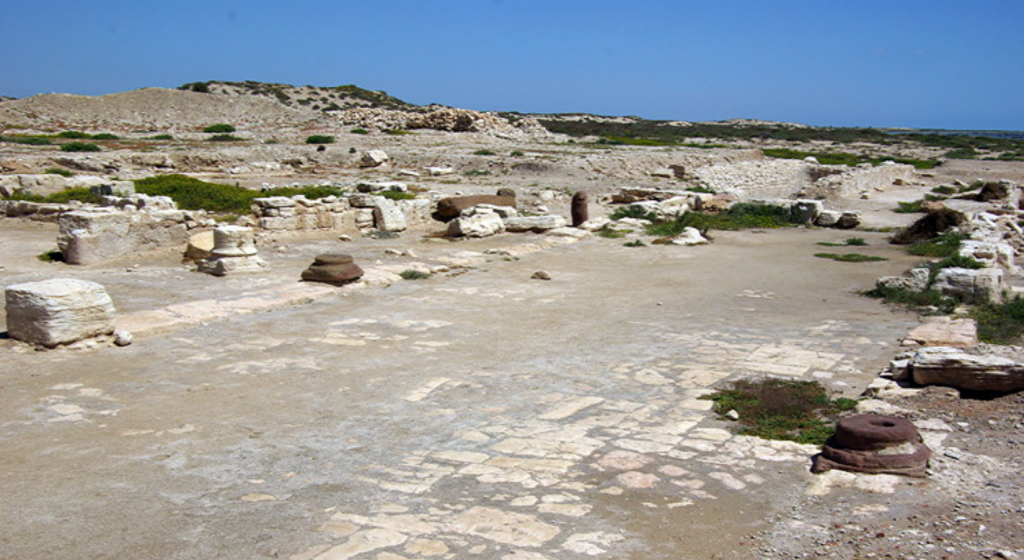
[(442, 118)]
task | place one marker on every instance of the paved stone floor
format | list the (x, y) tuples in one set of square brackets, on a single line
[(474, 415)]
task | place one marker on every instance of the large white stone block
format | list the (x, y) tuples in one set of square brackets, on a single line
[(58, 311)]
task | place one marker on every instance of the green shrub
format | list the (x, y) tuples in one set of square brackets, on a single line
[(943, 189), (193, 194), (743, 215), (33, 141), (484, 153), (634, 243), (73, 135), (398, 132), (359, 131), (517, 153), (781, 409), (223, 138), (51, 256), (850, 257), (105, 136), (967, 152), (927, 301), (414, 275), (80, 194), (608, 232), (908, 207), (79, 147), (476, 172), (319, 139), (59, 171), (634, 212), (398, 195), (945, 245), (700, 189), (1001, 323), (161, 137), (220, 127)]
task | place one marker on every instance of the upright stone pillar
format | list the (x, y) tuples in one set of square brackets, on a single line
[(580, 212), (234, 250)]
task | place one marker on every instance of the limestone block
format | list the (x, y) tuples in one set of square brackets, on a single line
[(478, 225), (374, 158), (952, 367), (848, 220), (985, 284), (200, 246), (363, 200), (114, 188), (675, 206), (451, 208), (535, 223), (274, 202), (689, 236), (388, 217), (279, 223), (416, 210), (828, 218), (58, 311), (438, 171), (364, 218), (88, 237), (991, 254), (372, 187)]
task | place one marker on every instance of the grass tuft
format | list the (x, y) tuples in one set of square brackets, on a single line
[(218, 128), (1001, 323), (414, 275), (79, 147), (781, 409), (850, 257), (319, 139)]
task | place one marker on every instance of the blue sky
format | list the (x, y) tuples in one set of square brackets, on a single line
[(909, 63)]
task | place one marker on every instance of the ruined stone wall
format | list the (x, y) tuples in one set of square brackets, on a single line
[(356, 211), (864, 178), (756, 179), (94, 235)]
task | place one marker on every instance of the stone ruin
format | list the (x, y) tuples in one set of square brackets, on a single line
[(876, 444), (333, 268), (234, 251), (58, 311)]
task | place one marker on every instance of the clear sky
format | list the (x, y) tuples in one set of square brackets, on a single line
[(912, 63)]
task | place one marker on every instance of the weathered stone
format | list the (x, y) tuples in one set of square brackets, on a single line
[(534, 223), (991, 254), (917, 281), (58, 311), (689, 236), (502, 211), (388, 217), (374, 158), (985, 284), (943, 331), (952, 367), (579, 210), (506, 191), (675, 206), (930, 226), (200, 246), (848, 220), (540, 275), (372, 187), (234, 251), (122, 338), (476, 225), (114, 188), (873, 443), (438, 171), (451, 208), (362, 200), (828, 218), (333, 268)]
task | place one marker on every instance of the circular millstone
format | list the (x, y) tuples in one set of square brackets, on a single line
[(332, 258)]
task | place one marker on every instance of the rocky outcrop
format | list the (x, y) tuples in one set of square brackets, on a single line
[(58, 311)]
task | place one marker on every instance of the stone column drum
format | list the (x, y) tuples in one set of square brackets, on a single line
[(580, 212), (234, 250)]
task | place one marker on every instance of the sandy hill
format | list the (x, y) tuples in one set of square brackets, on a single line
[(150, 109), (317, 98)]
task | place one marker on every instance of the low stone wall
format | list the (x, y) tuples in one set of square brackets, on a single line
[(36, 211), (864, 178), (778, 178), (356, 211)]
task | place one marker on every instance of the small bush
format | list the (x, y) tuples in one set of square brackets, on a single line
[(850, 257), (105, 136), (608, 232), (781, 409), (700, 189), (744, 215), (944, 190), (161, 137), (634, 243), (79, 147), (33, 141), (634, 212), (359, 131), (80, 194), (73, 135), (945, 245), (414, 275), (476, 172), (1001, 323), (397, 195), (59, 171), (908, 207), (928, 302), (223, 138), (516, 153), (319, 139), (398, 132), (484, 153), (51, 256), (220, 127)]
